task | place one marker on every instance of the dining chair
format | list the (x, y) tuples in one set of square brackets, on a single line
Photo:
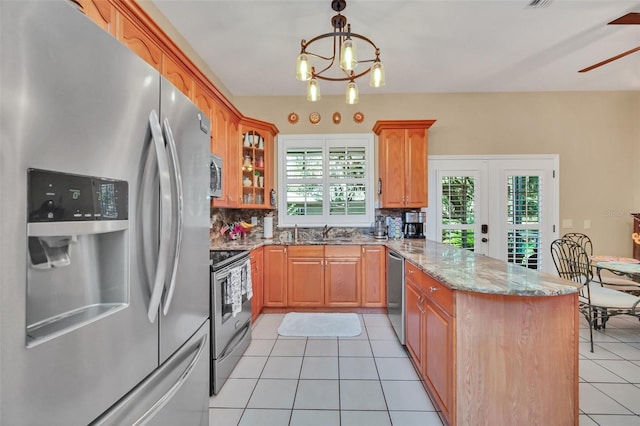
[(596, 303), (607, 279)]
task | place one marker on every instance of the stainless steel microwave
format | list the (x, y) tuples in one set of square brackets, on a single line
[(216, 177)]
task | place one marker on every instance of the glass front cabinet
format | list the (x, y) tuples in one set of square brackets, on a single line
[(257, 164)]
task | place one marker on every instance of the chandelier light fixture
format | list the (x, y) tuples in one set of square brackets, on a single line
[(344, 56)]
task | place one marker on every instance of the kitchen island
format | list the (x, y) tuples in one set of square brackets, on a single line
[(495, 343)]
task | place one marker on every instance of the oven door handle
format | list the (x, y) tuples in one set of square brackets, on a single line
[(166, 206), (233, 344), (179, 222)]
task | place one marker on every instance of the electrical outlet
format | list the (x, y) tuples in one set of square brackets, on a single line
[(587, 224)]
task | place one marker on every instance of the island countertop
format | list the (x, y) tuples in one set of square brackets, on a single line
[(459, 269)]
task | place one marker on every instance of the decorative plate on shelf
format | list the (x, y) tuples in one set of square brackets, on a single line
[(358, 117), (314, 118), (293, 118)]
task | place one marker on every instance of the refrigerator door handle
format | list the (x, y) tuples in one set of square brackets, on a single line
[(164, 400), (166, 207), (177, 178), (143, 403)]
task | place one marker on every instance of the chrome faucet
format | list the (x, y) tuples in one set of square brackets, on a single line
[(325, 231)]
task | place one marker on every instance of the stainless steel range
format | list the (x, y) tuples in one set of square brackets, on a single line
[(230, 312)]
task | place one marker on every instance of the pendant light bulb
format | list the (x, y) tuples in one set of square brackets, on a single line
[(352, 93), (303, 70), (348, 61), (313, 90), (377, 75)]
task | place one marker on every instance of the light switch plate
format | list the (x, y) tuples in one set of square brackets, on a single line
[(567, 223)]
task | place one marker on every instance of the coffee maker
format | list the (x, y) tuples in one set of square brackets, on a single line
[(413, 224)]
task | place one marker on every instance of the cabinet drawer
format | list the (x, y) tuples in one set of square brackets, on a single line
[(305, 251), (342, 251), (412, 272), (439, 293)]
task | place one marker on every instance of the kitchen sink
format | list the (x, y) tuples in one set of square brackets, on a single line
[(330, 240)]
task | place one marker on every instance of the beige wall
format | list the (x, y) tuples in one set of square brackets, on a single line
[(596, 134)]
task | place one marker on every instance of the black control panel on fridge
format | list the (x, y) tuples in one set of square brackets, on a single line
[(64, 197)]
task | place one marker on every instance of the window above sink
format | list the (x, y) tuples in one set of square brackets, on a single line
[(326, 179)]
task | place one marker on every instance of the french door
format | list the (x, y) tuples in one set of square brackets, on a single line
[(505, 207)]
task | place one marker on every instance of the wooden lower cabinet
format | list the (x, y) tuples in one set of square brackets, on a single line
[(275, 276), (305, 276), (325, 276), (342, 278), (257, 264), (414, 320), (374, 277), (490, 358), (437, 364)]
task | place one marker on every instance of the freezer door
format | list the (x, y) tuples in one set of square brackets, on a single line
[(175, 394), (74, 100), (185, 304)]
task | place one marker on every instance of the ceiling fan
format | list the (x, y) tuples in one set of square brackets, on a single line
[(632, 18)]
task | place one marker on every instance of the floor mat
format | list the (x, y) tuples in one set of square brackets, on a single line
[(303, 324)]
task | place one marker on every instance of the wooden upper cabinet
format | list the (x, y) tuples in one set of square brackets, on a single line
[(415, 173), (139, 41), (132, 26), (402, 162), (256, 144), (233, 157), (219, 130), (224, 142), (101, 12), (177, 75), (204, 102)]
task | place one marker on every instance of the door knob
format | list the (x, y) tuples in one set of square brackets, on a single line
[(484, 240)]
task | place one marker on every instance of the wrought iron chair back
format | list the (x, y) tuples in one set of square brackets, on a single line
[(571, 260), (596, 303), (581, 239)]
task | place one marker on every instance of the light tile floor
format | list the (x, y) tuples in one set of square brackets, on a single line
[(365, 380), (610, 376), (369, 380)]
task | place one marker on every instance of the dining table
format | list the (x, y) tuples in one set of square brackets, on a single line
[(621, 267)]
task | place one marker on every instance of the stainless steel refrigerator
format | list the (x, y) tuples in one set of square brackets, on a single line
[(104, 215)]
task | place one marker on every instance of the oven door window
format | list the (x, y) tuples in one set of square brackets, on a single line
[(228, 288)]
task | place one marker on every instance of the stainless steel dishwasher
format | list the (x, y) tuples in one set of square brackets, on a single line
[(395, 293)]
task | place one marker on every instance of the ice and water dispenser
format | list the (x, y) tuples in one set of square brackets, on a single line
[(77, 268)]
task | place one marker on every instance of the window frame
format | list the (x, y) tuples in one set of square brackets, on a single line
[(324, 142)]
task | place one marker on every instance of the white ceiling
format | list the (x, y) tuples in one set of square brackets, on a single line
[(427, 46)]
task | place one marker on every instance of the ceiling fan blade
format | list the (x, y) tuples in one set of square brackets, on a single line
[(632, 18), (606, 61)]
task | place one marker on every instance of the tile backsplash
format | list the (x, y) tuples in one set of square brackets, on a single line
[(223, 218)]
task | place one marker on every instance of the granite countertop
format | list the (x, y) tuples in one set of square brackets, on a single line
[(458, 269)]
